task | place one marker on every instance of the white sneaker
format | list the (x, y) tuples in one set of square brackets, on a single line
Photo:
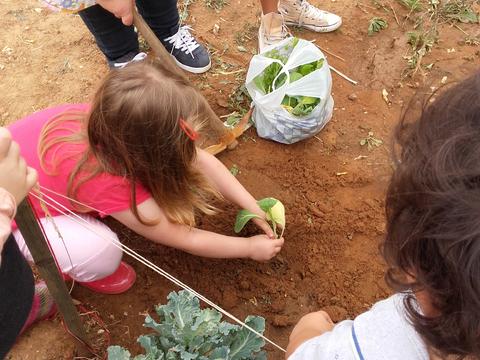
[(272, 30), (303, 14)]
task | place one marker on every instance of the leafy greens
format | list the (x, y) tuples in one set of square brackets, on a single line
[(272, 78), (186, 332)]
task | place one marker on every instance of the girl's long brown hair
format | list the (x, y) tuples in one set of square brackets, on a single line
[(134, 130)]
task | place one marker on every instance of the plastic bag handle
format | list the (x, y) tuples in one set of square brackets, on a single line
[(281, 72)]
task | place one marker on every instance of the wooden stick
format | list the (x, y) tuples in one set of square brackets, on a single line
[(224, 135), (343, 75), (37, 244)]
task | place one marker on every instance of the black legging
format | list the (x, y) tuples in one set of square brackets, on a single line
[(115, 39), (16, 294)]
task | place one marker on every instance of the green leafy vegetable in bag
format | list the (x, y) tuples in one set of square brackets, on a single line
[(271, 78)]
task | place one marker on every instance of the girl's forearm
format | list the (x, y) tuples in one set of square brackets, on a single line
[(225, 182), (192, 240), (208, 244), (202, 243)]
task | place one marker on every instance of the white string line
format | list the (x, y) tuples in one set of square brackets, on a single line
[(72, 200), (150, 265), (49, 217)]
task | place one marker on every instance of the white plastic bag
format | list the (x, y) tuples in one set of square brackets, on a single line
[(271, 119)]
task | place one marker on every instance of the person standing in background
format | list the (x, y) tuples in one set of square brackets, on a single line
[(110, 22), (277, 14)]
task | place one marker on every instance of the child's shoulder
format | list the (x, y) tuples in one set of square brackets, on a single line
[(383, 332)]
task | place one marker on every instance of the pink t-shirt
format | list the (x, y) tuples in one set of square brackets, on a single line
[(105, 192)]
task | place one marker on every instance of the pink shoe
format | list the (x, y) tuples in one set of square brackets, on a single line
[(43, 306), (120, 281)]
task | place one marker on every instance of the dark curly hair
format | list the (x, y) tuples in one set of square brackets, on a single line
[(433, 218)]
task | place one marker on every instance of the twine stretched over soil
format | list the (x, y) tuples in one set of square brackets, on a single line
[(81, 221)]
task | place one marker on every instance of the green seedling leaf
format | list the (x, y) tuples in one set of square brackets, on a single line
[(267, 203), (243, 217), (277, 214)]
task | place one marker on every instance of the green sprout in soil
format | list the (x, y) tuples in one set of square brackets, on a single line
[(274, 213), (459, 10), (239, 99), (421, 43), (376, 24), (216, 4), (371, 142), (234, 170), (412, 5)]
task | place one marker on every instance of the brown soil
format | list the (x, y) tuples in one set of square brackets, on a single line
[(332, 187)]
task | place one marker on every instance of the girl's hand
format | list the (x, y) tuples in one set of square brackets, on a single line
[(309, 326), (15, 176), (262, 248), (262, 225), (122, 9)]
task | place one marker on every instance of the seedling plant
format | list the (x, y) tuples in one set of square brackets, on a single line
[(376, 24), (274, 216), (370, 141)]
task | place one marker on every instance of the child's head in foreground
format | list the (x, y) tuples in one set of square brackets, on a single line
[(433, 220)]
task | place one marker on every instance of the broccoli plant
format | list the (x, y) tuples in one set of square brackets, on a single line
[(186, 332), (274, 213)]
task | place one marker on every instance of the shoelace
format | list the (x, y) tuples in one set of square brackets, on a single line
[(183, 40), (310, 11), (139, 57), (271, 38), (282, 35)]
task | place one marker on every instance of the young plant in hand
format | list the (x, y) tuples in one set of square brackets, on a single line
[(274, 216)]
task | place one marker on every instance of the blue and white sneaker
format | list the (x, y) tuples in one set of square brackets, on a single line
[(187, 52), (126, 59)]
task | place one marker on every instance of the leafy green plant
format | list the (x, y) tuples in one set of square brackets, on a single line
[(422, 43), (376, 24), (461, 11), (274, 212), (412, 5), (186, 332), (272, 78), (216, 4), (370, 141)]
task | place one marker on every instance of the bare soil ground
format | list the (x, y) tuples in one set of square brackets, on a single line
[(332, 187)]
